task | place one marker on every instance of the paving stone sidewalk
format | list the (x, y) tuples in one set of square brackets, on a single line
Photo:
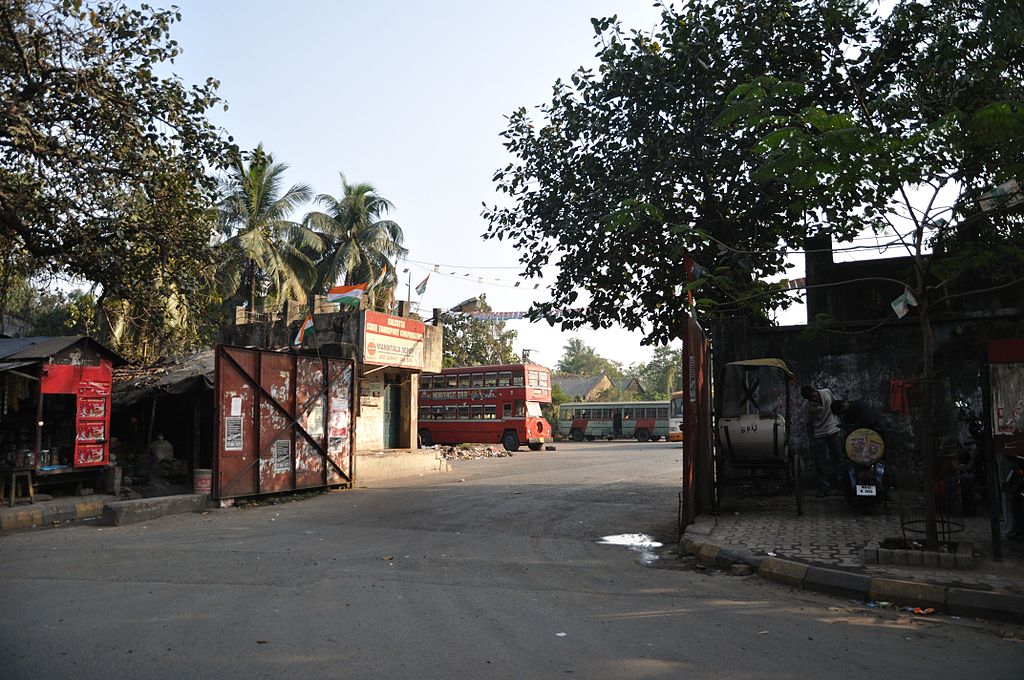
[(830, 533)]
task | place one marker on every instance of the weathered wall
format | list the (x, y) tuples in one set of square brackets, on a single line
[(370, 423), (860, 361)]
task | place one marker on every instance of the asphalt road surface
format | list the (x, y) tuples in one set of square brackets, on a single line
[(493, 570)]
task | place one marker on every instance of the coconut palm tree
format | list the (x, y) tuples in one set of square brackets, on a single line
[(270, 252), (358, 244)]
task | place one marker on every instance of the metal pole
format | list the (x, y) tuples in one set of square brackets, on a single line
[(994, 494)]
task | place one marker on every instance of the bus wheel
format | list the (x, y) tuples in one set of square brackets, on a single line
[(576, 435), (425, 438), (536, 446), (510, 441), (642, 435)]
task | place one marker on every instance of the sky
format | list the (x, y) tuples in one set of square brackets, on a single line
[(410, 97)]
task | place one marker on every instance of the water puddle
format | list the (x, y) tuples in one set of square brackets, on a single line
[(642, 544)]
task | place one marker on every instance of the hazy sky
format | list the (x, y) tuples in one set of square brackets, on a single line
[(410, 97)]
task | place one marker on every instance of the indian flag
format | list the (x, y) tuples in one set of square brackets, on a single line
[(346, 295), (307, 325)]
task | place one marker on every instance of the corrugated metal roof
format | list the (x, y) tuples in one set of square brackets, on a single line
[(44, 347), (175, 376)]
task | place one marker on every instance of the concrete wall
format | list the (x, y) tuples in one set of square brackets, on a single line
[(860, 361)]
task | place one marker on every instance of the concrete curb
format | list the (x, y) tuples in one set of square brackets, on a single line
[(44, 515), (833, 581), (120, 513)]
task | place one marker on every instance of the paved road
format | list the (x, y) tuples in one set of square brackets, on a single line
[(496, 576)]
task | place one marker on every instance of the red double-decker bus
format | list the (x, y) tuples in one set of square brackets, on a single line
[(485, 404)]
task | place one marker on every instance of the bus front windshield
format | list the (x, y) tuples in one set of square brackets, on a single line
[(676, 407), (533, 409)]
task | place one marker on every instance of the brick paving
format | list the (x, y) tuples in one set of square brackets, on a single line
[(832, 533)]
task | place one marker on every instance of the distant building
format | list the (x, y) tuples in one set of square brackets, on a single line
[(591, 388)]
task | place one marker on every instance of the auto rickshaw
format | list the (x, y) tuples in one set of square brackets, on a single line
[(754, 415)]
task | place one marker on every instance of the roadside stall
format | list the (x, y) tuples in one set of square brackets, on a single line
[(54, 411)]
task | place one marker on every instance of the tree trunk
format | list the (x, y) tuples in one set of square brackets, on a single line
[(927, 439)]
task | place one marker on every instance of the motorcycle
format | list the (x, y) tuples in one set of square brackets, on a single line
[(864, 447)]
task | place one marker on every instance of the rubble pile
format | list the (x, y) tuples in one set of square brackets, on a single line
[(473, 452)]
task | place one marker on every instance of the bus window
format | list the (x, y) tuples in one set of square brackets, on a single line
[(543, 379), (452, 380), (533, 409), (520, 408), (490, 411), (463, 413), (627, 414), (585, 414), (506, 410), (504, 378), (424, 413), (463, 379), (450, 413), (517, 380), (663, 413), (477, 380), (490, 379), (438, 413), (477, 411), (532, 381), (438, 383)]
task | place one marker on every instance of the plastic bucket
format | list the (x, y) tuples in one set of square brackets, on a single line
[(202, 480)]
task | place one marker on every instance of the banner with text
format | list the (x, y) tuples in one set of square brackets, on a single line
[(392, 340)]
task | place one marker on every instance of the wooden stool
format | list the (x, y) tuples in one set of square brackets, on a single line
[(24, 474)]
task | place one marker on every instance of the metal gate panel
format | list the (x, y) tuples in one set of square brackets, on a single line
[(276, 437), (309, 465), (341, 426), (698, 431), (272, 409)]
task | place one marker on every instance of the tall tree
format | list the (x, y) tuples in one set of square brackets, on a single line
[(473, 342), (262, 243), (579, 358), (662, 375), (627, 172), (358, 244), (933, 120), (104, 169)]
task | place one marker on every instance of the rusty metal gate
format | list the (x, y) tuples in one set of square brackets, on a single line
[(696, 494), (284, 421)]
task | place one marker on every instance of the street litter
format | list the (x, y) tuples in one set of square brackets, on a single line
[(918, 610), (561, 634), (473, 452)]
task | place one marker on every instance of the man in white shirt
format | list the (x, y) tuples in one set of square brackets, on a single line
[(826, 441)]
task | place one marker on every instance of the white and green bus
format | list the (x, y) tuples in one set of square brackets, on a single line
[(590, 420)]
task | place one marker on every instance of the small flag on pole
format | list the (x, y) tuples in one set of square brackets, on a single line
[(422, 288), (346, 295), (307, 325)]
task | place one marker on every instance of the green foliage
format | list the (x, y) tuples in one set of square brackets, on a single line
[(932, 117), (357, 244), (262, 250), (662, 375), (633, 167), (471, 342), (103, 177), (581, 359), (558, 397)]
